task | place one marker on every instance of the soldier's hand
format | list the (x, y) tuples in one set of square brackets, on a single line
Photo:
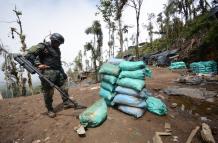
[(42, 66)]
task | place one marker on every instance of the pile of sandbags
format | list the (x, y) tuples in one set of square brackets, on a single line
[(130, 93), (110, 74), (207, 67), (177, 65)]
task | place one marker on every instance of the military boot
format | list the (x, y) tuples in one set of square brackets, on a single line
[(51, 114)]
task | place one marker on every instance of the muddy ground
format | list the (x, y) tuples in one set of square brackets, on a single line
[(24, 120)]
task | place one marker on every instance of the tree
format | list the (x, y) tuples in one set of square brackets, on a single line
[(95, 49), (136, 4), (106, 8), (23, 49)]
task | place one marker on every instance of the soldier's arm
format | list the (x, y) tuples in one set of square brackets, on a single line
[(33, 53)]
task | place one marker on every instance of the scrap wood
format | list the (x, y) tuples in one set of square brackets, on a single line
[(157, 138), (194, 131)]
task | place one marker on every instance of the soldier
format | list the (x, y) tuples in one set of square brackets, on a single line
[(47, 58)]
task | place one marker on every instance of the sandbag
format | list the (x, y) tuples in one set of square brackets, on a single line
[(110, 78), (136, 84), (137, 74), (136, 112), (107, 86), (121, 99), (127, 91), (115, 61), (110, 69), (108, 102), (106, 94), (94, 115), (131, 66), (156, 106)]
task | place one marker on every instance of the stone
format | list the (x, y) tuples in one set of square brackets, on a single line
[(206, 134), (173, 105)]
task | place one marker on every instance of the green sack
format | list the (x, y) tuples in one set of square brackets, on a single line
[(110, 69), (138, 74), (106, 94), (94, 115), (156, 106), (148, 72), (110, 78), (107, 86), (132, 66), (136, 84)]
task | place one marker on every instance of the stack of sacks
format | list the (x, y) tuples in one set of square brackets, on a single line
[(110, 73), (207, 67), (130, 93)]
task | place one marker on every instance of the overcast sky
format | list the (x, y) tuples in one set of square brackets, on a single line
[(67, 17)]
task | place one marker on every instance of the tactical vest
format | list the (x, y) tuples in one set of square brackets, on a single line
[(50, 56)]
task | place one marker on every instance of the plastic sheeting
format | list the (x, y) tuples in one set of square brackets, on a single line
[(94, 115)]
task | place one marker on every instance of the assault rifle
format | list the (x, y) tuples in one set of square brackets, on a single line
[(32, 69)]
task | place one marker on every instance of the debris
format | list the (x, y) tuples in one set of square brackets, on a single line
[(80, 130), (206, 134), (172, 116), (194, 131), (167, 127), (157, 138)]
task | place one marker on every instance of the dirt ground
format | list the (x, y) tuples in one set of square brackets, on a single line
[(24, 119)]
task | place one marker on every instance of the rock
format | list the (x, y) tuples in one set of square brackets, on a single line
[(211, 100), (80, 130), (205, 119), (36, 141), (206, 134), (175, 138), (183, 107), (199, 93), (46, 139), (173, 105)]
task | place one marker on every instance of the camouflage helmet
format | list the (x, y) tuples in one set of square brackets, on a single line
[(57, 37)]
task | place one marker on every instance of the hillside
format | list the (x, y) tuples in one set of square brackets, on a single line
[(24, 120)]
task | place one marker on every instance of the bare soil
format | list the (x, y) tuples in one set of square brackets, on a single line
[(24, 119)]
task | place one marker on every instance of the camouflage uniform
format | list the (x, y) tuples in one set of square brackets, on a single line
[(44, 53)]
